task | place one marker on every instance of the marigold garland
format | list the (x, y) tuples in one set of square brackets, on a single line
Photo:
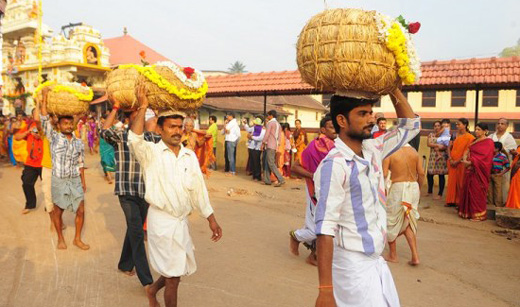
[(398, 40), (66, 88), (150, 73)]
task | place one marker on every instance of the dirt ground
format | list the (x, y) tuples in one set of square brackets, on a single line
[(463, 263)]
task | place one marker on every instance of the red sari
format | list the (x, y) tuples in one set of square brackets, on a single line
[(473, 202)]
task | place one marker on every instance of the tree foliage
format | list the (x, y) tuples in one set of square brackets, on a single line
[(511, 51), (237, 68)]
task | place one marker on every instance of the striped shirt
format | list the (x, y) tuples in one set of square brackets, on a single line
[(68, 156), (351, 192), (500, 162), (129, 175)]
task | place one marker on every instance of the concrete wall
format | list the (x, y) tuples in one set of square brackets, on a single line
[(310, 117)]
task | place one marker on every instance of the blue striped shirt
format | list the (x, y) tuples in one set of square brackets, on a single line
[(351, 194)]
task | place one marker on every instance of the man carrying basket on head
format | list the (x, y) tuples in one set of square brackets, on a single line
[(68, 176)]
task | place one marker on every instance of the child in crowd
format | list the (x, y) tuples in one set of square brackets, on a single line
[(500, 167)]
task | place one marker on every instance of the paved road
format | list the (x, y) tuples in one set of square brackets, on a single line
[(463, 263)]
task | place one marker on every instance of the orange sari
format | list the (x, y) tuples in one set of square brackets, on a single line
[(513, 198), (205, 152), (456, 174)]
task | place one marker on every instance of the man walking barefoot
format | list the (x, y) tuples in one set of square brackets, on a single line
[(407, 175), (174, 187), (351, 212), (68, 174)]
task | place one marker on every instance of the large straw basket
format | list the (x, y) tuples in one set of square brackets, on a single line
[(122, 84), (339, 50), (64, 103)]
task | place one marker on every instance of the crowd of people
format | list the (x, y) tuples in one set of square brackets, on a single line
[(360, 177), (481, 167)]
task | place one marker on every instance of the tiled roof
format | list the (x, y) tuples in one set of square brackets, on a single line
[(252, 104), (125, 50), (304, 101), (471, 71), (456, 115), (282, 82), (486, 71)]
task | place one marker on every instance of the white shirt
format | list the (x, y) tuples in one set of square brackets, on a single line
[(507, 140), (234, 131), (351, 191), (174, 184)]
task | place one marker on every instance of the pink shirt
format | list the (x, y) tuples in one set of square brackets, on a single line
[(271, 139)]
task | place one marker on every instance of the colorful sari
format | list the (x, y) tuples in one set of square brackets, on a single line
[(456, 174), (19, 147), (204, 153), (300, 142), (473, 201), (108, 160), (312, 157), (513, 198)]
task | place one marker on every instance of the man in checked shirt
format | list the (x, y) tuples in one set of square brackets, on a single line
[(130, 190), (351, 211), (68, 184)]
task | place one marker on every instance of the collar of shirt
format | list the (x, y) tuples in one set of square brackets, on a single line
[(350, 155), (183, 151)]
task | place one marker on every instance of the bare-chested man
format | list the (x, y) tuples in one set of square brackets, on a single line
[(407, 175)]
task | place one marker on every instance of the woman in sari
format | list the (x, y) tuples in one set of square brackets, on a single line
[(19, 147), (288, 150), (200, 143), (300, 140), (456, 169), (513, 198), (108, 159), (478, 160)]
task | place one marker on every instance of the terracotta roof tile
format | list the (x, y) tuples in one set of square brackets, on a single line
[(125, 50), (253, 104)]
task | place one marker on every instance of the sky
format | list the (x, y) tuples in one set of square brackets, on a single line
[(262, 34)]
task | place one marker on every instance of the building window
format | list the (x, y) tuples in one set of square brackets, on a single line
[(518, 98), (427, 124), (453, 125), (378, 103), (296, 114), (458, 98), (491, 125), (516, 127), (317, 116), (428, 98), (325, 99), (490, 98)]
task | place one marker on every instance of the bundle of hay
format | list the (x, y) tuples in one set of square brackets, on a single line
[(354, 51), (66, 99), (169, 86)]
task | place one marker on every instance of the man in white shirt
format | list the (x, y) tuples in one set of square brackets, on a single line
[(351, 212), (174, 187), (232, 132), (508, 142)]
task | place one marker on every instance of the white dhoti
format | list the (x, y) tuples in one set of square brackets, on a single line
[(362, 281), (170, 247), (307, 234), (401, 208)]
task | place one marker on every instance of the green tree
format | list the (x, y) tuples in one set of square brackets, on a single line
[(511, 51), (237, 68)]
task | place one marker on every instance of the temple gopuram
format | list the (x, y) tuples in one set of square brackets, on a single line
[(77, 54)]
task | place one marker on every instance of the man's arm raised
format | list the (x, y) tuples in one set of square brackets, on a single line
[(141, 149)]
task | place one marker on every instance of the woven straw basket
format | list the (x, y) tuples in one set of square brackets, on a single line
[(339, 50), (122, 83), (65, 103)]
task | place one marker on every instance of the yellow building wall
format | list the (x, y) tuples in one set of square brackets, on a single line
[(310, 117)]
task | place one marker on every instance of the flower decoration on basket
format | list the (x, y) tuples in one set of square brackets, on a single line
[(142, 54), (396, 33), (81, 91)]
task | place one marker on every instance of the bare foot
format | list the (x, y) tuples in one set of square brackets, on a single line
[(128, 273), (25, 211), (414, 262), (81, 245), (391, 259), (312, 260), (151, 295), (62, 245), (293, 244)]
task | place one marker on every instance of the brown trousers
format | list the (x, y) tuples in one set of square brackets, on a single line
[(494, 196)]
